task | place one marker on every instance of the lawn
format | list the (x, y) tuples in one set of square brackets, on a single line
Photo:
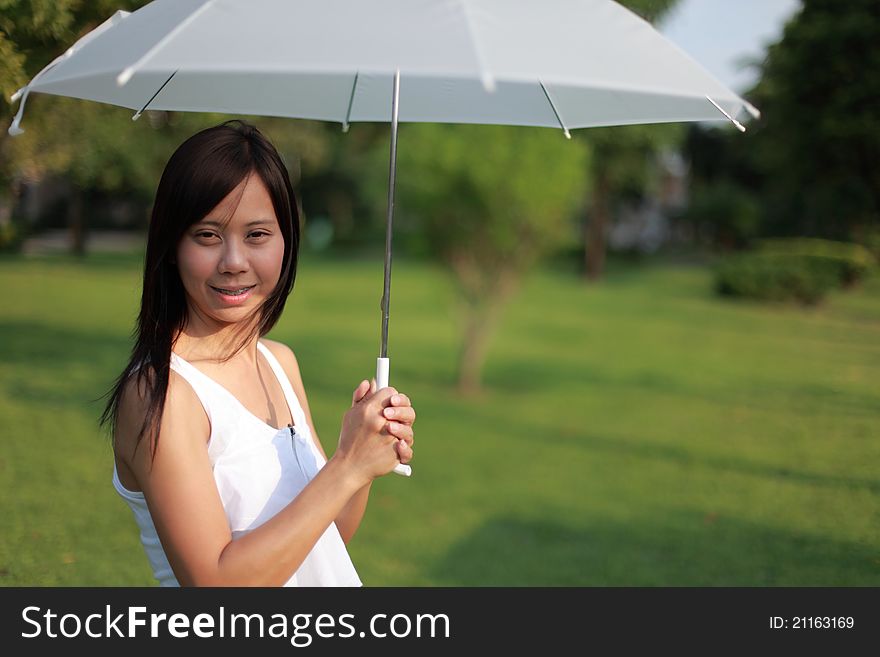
[(640, 432)]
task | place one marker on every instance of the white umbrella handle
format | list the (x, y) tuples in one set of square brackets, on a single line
[(382, 367)]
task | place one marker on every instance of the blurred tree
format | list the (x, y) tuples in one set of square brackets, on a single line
[(32, 34), (95, 146), (331, 187), (724, 212), (623, 162), (487, 201), (818, 143)]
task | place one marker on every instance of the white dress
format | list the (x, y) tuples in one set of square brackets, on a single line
[(258, 470)]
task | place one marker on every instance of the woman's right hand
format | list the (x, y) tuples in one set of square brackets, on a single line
[(366, 444)]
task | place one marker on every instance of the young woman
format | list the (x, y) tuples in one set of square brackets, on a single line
[(215, 449)]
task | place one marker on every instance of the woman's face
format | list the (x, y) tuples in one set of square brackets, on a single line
[(229, 270)]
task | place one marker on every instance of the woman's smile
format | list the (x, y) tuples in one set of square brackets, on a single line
[(233, 296)]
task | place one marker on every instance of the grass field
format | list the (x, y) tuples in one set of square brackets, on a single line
[(641, 432)]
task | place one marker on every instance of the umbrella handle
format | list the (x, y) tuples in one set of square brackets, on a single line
[(382, 367)]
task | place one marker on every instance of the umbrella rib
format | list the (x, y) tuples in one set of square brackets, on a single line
[(350, 102), (555, 111), (738, 125), (137, 114), (123, 78)]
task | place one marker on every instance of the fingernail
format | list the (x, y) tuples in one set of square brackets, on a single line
[(389, 412), (395, 399)]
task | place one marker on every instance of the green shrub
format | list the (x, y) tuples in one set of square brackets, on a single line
[(11, 237), (870, 239), (850, 262), (798, 269)]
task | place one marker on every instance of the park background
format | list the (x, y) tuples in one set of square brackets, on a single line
[(647, 356)]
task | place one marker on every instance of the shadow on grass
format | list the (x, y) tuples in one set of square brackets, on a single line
[(679, 550), (59, 366), (523, 376), (101, 261)]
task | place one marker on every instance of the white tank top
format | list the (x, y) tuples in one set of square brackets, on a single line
[(258, 470)]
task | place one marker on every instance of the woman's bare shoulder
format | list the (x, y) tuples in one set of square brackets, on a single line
[(290, 365), (182, 408), (282, 352)]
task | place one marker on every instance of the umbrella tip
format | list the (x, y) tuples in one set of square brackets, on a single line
[(739, 126), (123, 78), (15, 129), (754, 111)]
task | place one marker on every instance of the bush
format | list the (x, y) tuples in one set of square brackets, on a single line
[(11, 237), (725, 212), (799, 269)]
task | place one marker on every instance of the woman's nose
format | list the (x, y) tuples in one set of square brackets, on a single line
[(234, 258)]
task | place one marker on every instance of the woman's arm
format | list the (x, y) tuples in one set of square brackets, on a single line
[(349, 518), (187, 510)]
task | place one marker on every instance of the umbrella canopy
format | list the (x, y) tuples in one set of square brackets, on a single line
[(556, 63)]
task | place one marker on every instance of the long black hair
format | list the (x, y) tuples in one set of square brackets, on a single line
[(202, 172)]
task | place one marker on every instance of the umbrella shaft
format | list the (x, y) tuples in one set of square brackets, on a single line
[(386, 293)]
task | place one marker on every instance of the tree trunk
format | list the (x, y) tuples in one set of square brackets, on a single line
[(340, 212), (76, 222), (482, 311), (596, 229), (480, 323)]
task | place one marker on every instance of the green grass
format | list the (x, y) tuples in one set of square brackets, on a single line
[(641, 432)]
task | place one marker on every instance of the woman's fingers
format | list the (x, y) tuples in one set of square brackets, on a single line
[(401, 432), (404, 451), (360, 392), (405, 414), (400, 400)]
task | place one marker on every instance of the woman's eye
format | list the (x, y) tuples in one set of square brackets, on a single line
[(259, 234), (205, 234)]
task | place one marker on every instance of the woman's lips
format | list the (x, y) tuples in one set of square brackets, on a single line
[(232, 299)]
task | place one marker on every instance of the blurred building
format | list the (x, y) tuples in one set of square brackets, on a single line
[(647, 225)]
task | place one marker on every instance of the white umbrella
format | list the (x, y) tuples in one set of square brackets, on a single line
[(556, 63)]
